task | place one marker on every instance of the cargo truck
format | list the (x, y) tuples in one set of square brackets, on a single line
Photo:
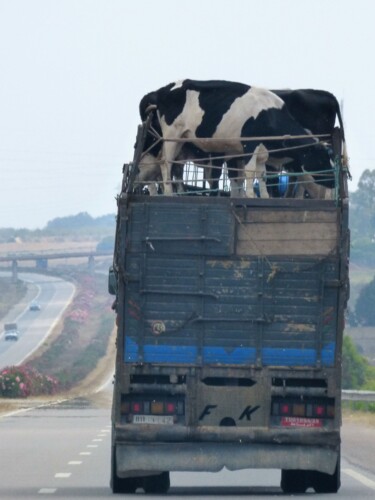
[(11, 331), (230, 318)]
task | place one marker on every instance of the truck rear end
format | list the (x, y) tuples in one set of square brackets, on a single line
[(230, 315)]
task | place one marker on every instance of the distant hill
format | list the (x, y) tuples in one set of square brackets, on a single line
[(81, 224)]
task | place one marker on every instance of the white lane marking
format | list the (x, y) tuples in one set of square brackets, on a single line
[(63, 475), (360, 477), (104, 430), (92, 446), (97, 440), (85, 453), (47, 491), (102, 435), (75, 462)]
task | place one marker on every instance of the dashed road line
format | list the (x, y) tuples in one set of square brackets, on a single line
[(360, 477), (65, 475)]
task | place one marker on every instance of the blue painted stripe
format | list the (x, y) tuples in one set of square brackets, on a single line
[(239, 356)]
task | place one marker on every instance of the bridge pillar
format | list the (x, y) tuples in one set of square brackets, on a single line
[(91, 263), (14, 271), (41, 263)]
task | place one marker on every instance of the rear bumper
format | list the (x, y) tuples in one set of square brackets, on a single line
[(131, 458), (213, 434)]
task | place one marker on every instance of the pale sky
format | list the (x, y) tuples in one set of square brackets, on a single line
[(73, 73)]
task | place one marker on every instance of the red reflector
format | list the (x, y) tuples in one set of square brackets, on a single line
[(136, 407), (171, 408), (319, 410), (284, 409)]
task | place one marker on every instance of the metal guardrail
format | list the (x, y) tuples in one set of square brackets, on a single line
[(351, 395), (52, 255)]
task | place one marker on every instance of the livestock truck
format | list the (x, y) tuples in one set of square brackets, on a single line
[(230, 318)]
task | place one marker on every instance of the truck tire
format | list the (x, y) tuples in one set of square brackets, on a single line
[(327, 483), (119, 484), (157, 484), (294, 481)]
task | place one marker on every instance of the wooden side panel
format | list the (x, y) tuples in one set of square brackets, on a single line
[(287, 233)]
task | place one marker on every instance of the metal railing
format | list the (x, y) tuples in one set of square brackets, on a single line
[(351, 395)]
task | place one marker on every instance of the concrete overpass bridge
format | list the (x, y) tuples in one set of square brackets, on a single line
[(41, 260)]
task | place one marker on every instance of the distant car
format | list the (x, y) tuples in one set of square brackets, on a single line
[(34, 306), (11, 335), (11, 331)]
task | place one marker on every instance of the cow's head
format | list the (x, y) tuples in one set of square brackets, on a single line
[(318, 161), (148, 173)]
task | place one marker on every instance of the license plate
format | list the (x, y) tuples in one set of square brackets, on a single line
[(153, 419), (300, 422)]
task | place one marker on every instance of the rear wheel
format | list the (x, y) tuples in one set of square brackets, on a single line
[(294, 481), (157, 484), (327, 483), (120, 484)]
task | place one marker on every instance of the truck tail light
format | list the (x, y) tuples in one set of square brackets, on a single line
[(157, 408), (149, 405), (319, 411), (285, 409), (170, 408), (136, 407), (318, 408), (299, 409)]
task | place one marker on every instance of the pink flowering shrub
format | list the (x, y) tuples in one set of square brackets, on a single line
[(24, 381), (80, 309)]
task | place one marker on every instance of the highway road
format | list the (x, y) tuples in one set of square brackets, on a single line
[(62, 450), (53, 295)]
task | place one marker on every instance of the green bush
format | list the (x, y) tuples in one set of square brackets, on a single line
[(364, 309), (359, 406), (354, 366)]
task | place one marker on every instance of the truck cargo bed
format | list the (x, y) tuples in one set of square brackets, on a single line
[(230, 281)]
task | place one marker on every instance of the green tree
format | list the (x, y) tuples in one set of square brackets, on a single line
[(107, 244), (354, 366), (364, 308), (362, 207)]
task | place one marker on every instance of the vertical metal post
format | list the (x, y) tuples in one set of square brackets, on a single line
[(14, 271), (91, 263)]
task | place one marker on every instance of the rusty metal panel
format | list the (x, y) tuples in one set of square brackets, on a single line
[(195, 294), (176, 229)]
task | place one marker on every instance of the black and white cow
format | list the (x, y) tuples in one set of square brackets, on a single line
[(214, 115), (315, 110)]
